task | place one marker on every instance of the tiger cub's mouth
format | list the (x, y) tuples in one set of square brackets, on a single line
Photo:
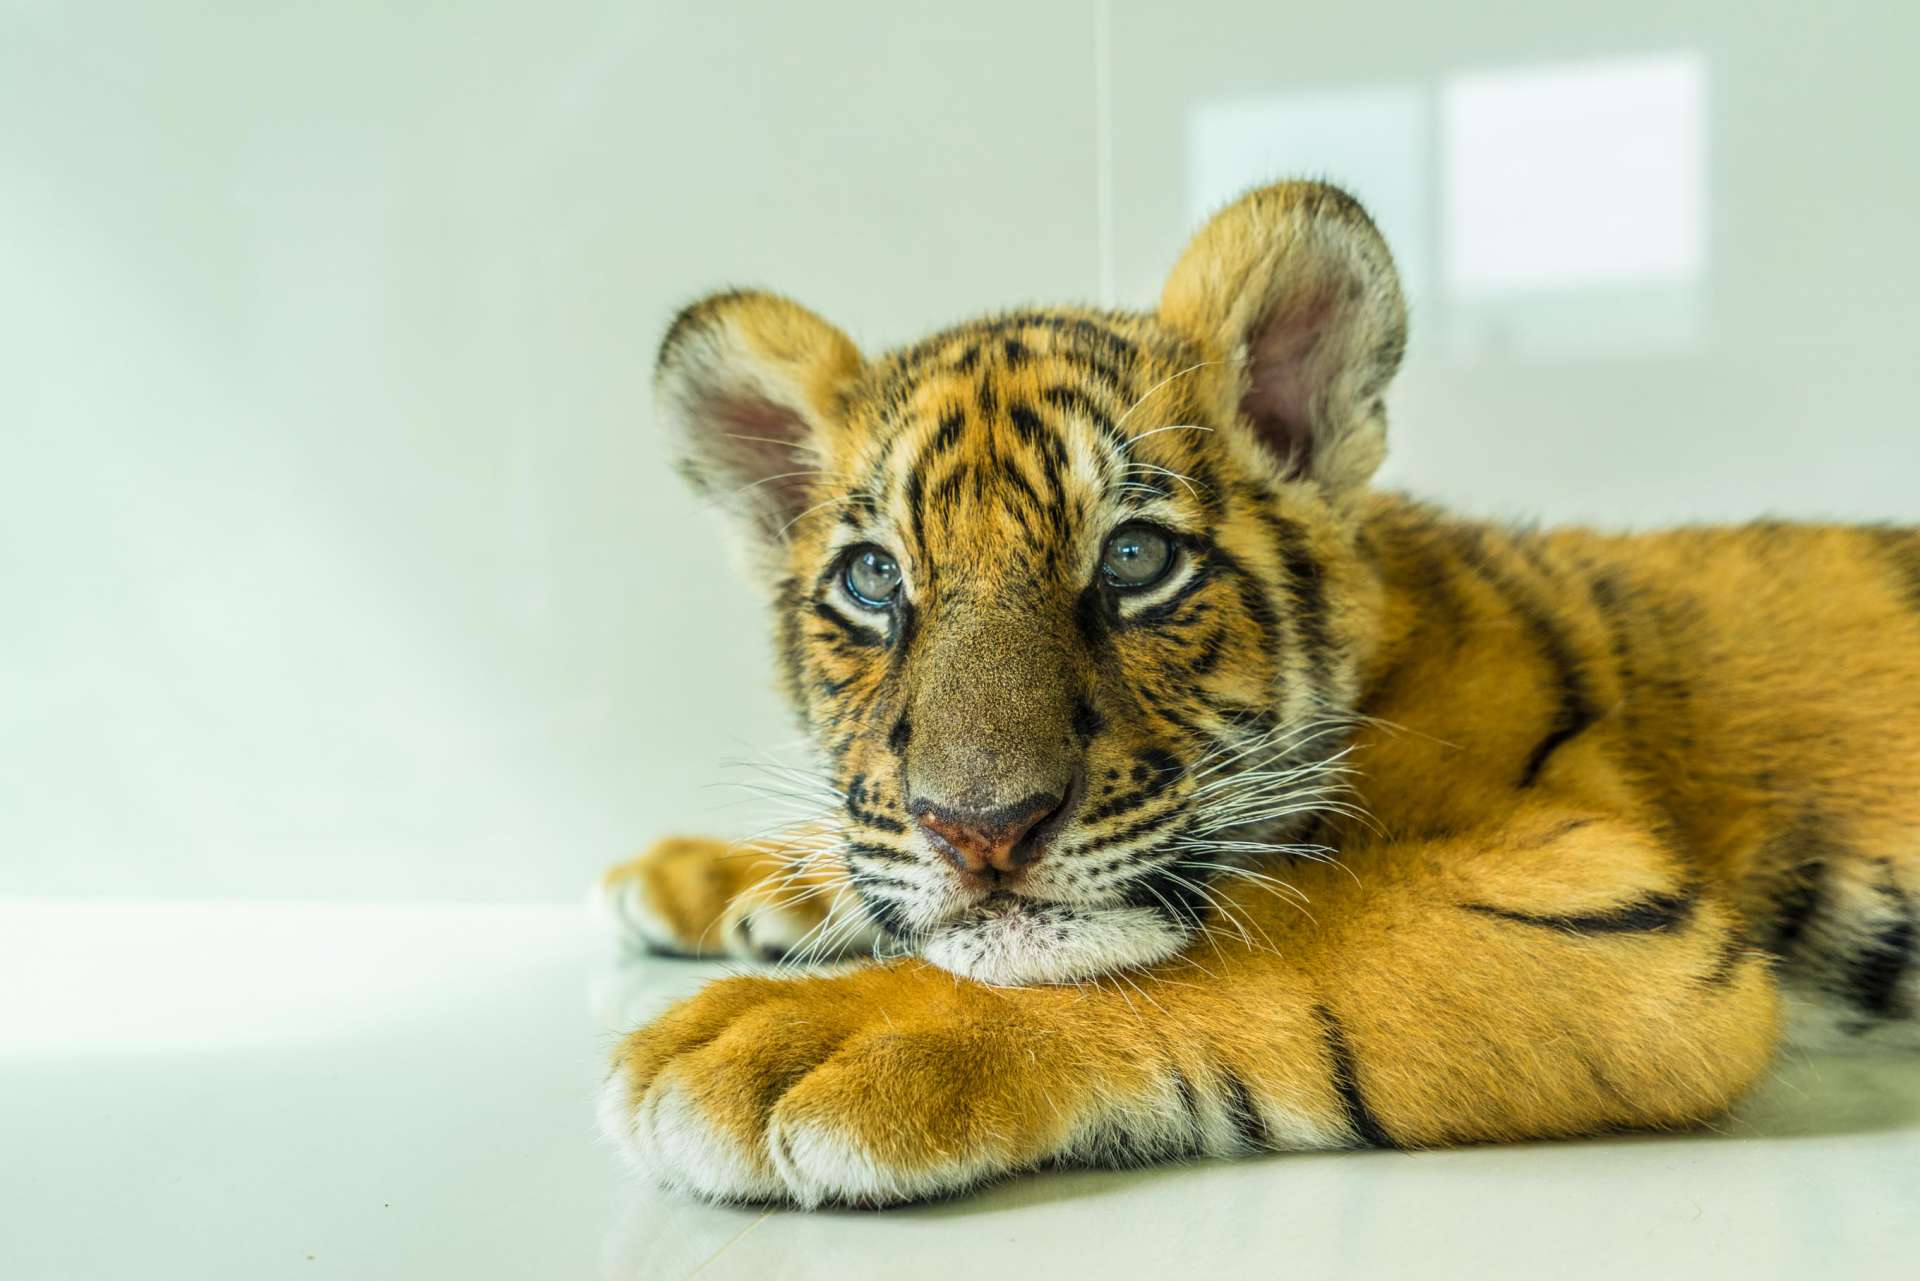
[(1098, 900), (1010, 939)]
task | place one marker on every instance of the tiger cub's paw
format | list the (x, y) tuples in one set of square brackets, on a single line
[(825, 1091), (693, 896)]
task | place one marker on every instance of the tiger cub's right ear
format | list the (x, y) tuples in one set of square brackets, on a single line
[(750, 385)]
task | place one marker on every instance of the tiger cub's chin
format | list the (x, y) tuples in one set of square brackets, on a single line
[(1020, 942)]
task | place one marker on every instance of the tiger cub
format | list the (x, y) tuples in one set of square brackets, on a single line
[(1202, 800)]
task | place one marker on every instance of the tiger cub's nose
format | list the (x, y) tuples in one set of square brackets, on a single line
[(987, 843)]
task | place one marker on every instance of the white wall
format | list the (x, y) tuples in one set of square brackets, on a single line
[(336, 554), (1778, 376)]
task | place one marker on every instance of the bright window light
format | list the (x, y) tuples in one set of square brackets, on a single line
[(1576, 176)]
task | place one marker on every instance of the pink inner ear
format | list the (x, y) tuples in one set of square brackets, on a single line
[(1288, 371), (762, 445)]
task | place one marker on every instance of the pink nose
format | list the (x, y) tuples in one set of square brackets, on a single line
[(987, 844)]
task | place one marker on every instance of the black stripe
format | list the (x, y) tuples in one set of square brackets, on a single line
[(1140, 828), (1246, 721), (1733, 951), (1170, 894), (1795, 905), (1528, 543), (988, 399), (1090, 333), (1244, 1113), (947, 493), (1117, 806), (1191, 1106), (1156, 769), (1651, 915), (948, 434), (856, 808), (1569, 719), (1902, 550), (917, 508), (883, 853), (1213, 498), (1208, 658), (882, 912), (1093, 616), (1609, 596), (1442, 622), (1053, 463), (1877, 969), (1026, 424), (1306, 587), (1432, 577), (862, 877), (851, 630), (906, 626), (1074, 401), (1797, 862), (1360, 1118), (1102, 372), (1152, 482), (1253, 596), (1168, 713), (1011, 475), (1087, 722), (1574, 708), (1039, 436), (1161, 611)]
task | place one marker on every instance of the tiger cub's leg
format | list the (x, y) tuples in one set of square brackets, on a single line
[(696, 896), (1560, 973)]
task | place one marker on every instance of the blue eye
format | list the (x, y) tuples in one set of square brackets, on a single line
[(872, 577), (1136, 556)]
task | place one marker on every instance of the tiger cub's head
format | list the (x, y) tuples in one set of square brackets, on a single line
[(1067, 598)]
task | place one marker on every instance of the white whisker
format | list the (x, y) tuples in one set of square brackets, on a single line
[(1148, 395)]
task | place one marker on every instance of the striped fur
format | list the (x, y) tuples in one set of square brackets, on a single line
[(1385, 828)]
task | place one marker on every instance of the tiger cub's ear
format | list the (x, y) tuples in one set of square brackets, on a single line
[(750, 386), (1294, 288)]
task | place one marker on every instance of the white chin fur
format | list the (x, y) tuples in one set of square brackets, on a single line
[(1025, 942)]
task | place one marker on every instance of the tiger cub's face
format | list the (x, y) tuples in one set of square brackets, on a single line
[(1067, 598)]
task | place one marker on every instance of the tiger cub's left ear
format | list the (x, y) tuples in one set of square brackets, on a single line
[(1294, 288), (751, 387)]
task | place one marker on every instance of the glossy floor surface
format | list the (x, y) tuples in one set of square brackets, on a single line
[(256, 1091)]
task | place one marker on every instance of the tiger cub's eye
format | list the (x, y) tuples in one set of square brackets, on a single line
[(872, 576), (1137, 556)]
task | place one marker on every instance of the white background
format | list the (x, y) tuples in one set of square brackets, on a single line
[(337, 559)]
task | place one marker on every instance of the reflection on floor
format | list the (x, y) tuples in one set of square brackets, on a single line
[(257, 1091)]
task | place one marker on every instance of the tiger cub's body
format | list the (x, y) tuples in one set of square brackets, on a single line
[(1353, 824)]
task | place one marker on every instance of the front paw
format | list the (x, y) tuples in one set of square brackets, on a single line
[(889, 1084), (691, 896), (672, 899)]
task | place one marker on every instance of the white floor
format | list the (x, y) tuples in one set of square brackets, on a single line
[(257, 1091)]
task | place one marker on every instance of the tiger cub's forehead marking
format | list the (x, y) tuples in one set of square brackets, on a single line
[(1016, 435)]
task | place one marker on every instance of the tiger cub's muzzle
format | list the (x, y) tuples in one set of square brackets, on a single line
[(993, 846)]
